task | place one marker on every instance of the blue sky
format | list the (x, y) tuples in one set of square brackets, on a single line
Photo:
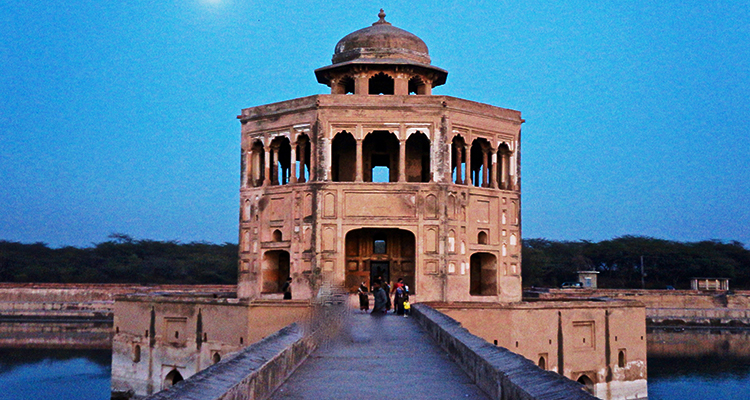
[(120, 116)]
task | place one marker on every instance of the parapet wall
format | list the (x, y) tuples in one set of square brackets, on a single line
[(500, 373), (671, 307), (252, 373)]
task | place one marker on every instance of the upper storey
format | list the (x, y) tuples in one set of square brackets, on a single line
[(381, 59)]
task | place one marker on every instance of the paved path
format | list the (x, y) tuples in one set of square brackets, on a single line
[(379, 358)]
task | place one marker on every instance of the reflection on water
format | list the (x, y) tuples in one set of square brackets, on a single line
[(684, 364), (698, 364), (55, 374)]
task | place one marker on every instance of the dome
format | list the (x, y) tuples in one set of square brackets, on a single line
[(381, 40)]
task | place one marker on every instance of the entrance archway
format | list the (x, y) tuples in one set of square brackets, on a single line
[(586, 382), (387, 253), (172, 378), (275, 270)]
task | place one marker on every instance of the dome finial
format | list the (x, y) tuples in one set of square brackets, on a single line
[(381, 15)]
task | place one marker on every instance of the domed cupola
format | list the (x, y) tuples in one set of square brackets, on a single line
[(381, 59)]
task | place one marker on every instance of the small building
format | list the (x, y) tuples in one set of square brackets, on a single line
[(714, 284), (588, 279)]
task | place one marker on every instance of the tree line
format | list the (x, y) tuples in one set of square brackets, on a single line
[(546, 263), (121, 259), (549, 263)]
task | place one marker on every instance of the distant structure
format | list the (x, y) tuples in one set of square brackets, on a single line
[(712, 284), (381, 179)]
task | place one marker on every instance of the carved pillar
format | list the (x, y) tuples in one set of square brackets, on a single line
[(275, 167), (359, 166), (246, 160), (468, 180), (459, 163), (485, 166), (293, 165), (267, 167), (361, 84), (493, 169), (401, 84), (402, 160), (302, 161)]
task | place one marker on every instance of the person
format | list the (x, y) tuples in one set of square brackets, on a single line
[(380, 300), (364, 299), (287, 289), (398, 293), (398, 300), (387, 289), (406, 304)]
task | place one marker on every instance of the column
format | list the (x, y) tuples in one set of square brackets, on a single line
[(302, 161), (485, 166), (275, 166), (402, 160), (361, 84), (293, 165), (247, 159), (267, 167), (459, 162), (359, 167), (467, 149), (493, 169)]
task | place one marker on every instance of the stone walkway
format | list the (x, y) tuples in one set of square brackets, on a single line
[(379, 358)]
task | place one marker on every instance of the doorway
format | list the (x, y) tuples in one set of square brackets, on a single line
[(379, 269)]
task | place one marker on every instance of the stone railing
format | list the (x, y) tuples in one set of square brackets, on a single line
[(501, 374), (256, 371)]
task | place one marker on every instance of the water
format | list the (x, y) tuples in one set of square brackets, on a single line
[(693, 364), (684, 365), (55, 374)]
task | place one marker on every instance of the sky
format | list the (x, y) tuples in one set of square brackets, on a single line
[(120, 116)]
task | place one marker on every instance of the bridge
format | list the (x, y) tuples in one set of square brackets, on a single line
[(424, 356)]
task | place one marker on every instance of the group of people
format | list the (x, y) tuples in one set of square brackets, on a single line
[(382, 293)]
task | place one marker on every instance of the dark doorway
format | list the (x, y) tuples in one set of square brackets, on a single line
[(172, 378), (386, 252), (379, 269)]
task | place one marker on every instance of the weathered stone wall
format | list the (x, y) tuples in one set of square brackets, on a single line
[(669, 307), (252, 373), (79, 301), (501, 373)]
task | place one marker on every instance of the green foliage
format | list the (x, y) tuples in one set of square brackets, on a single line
[(666, 263), (121, 259)]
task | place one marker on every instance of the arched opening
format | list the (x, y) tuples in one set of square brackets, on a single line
[(343, 151), (381, 83), (483, 274), (480, 162), (380, 152), (418, 158), (257, 171), (281, 153), (458, 159), (216, 358), (386, 253), (137, 353), (503, 166), (277, 236), (302, 163), (621, 361), (344, 85), (542, 363), (482, 237), (587, 383), (417, 86), (275, 270), (172, 378)]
